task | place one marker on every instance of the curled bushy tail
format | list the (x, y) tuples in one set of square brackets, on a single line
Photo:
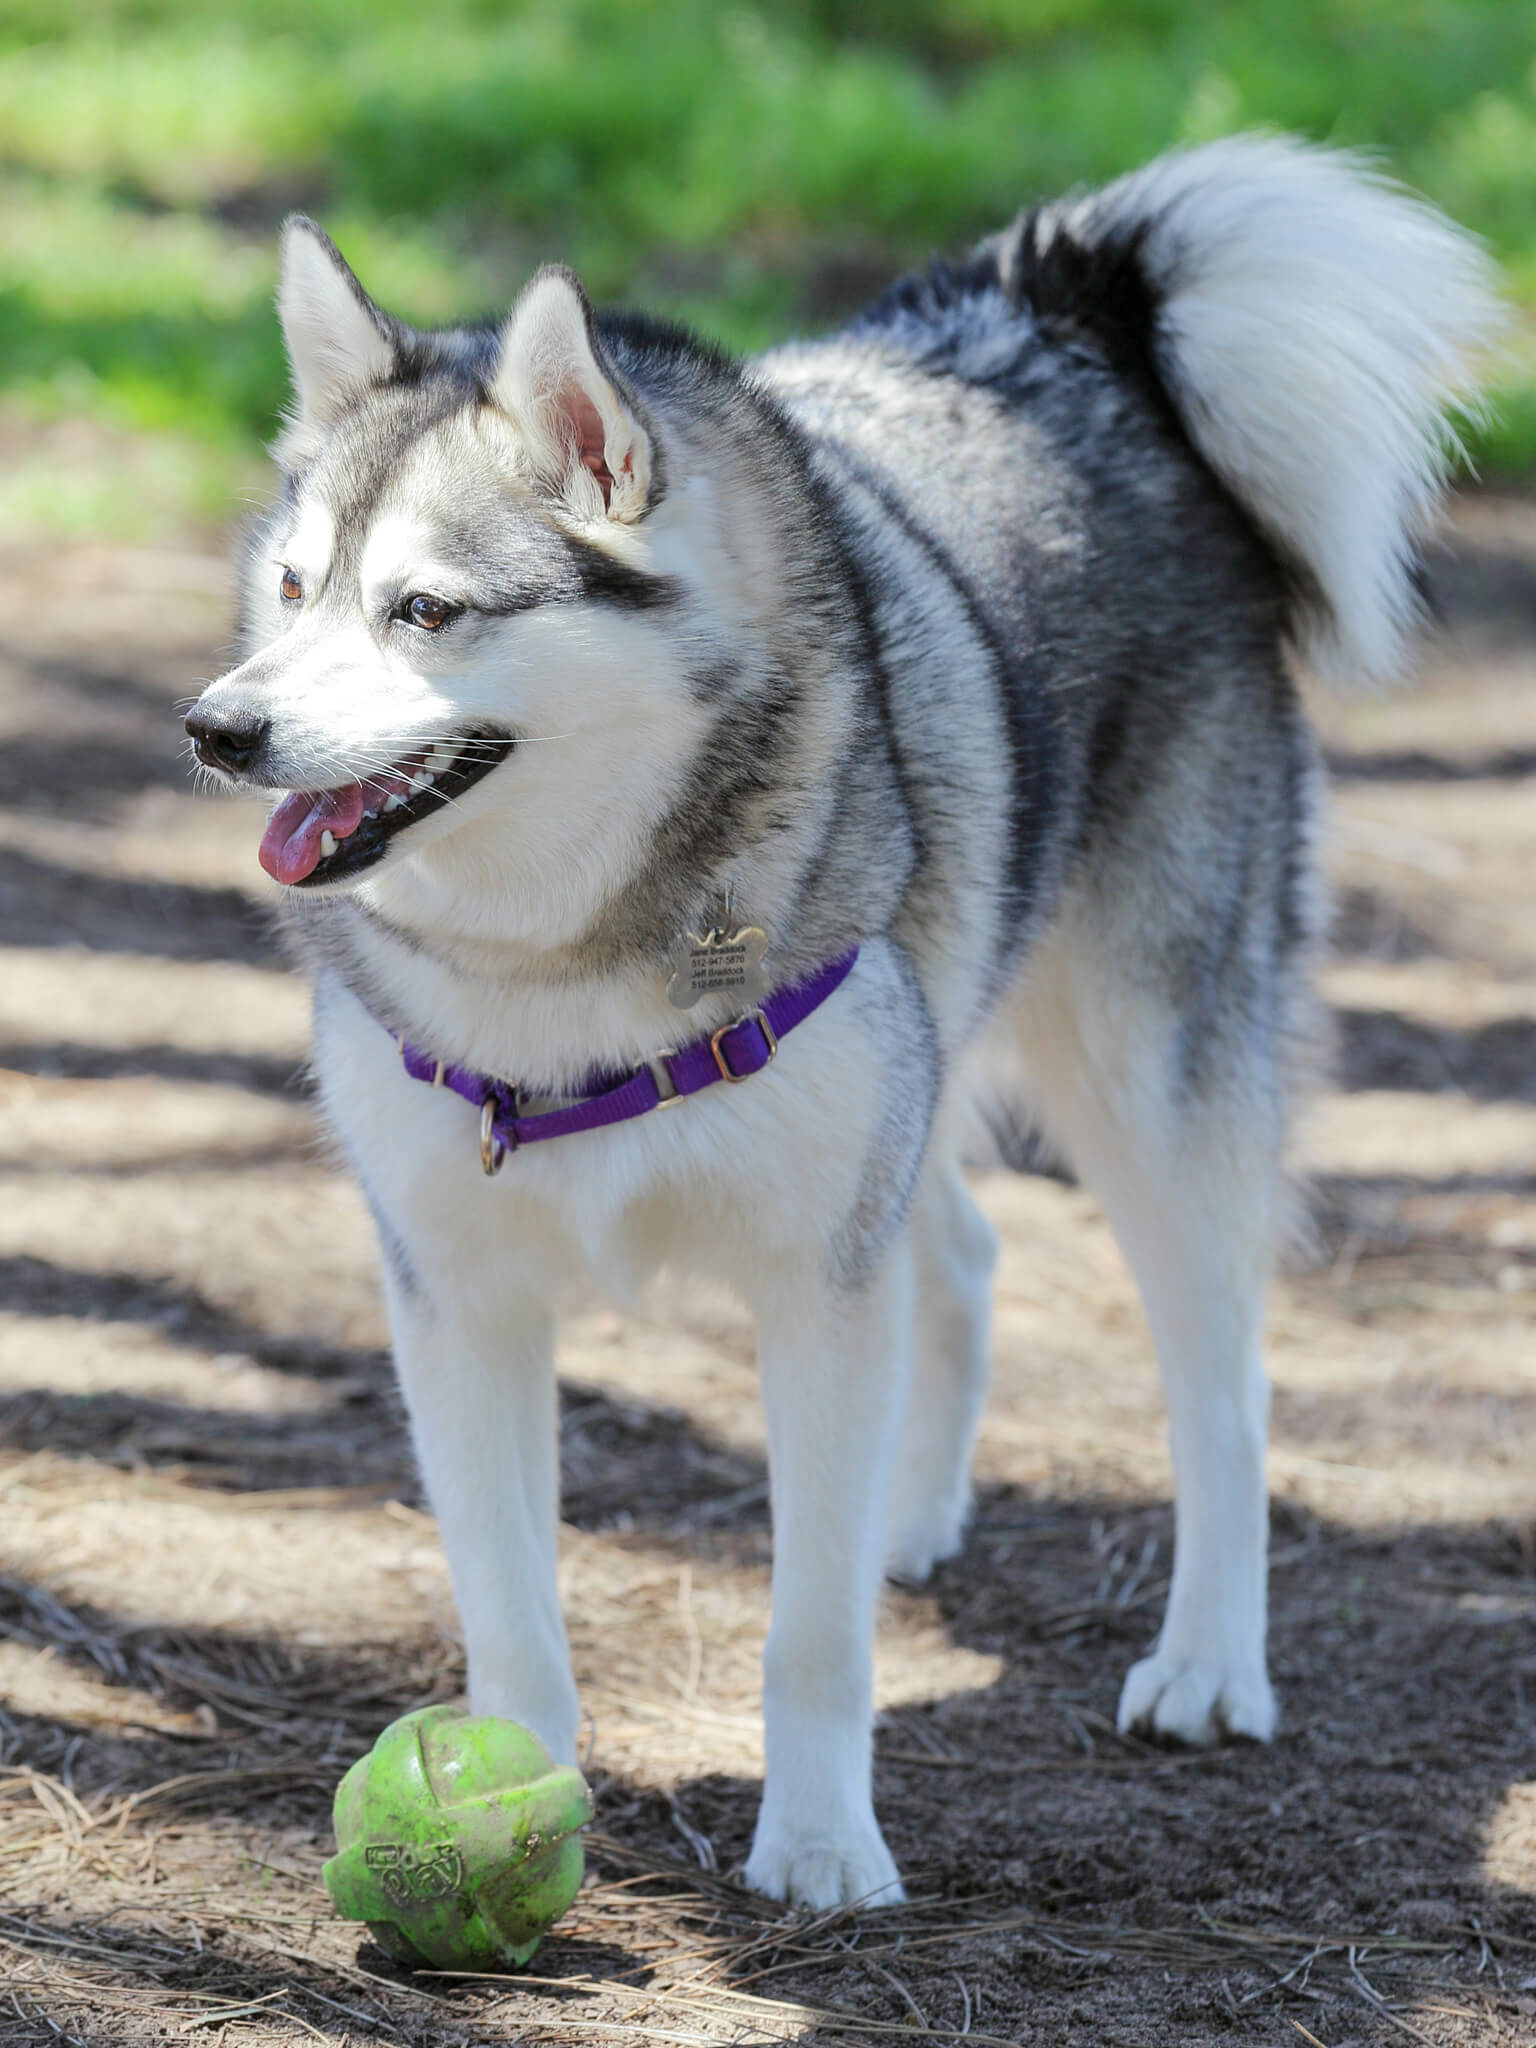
[(1317, 329)]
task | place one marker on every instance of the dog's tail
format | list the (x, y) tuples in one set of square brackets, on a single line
[(1316, 329)]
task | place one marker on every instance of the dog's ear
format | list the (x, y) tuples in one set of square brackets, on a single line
[(582, 434), (338, 341)]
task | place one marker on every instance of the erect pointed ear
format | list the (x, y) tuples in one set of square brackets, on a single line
[(581, 433), (337, 338)]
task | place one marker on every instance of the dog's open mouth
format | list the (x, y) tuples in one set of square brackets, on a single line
[(327, 835)]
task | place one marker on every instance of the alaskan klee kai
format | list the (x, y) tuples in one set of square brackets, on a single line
[(738, 783)]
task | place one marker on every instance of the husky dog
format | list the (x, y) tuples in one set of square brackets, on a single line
[(957, 646)]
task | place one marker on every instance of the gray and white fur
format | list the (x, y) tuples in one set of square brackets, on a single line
[(968, 634)]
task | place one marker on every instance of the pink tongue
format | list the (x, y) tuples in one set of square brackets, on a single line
[(290, 847)]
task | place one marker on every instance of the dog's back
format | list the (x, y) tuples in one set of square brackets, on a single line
[(1155, 440)]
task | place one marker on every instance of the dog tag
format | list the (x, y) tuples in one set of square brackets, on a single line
[(722, 962)]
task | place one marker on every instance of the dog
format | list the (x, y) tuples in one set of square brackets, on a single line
[(761, 779)]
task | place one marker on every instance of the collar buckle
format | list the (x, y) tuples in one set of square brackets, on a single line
[(717, 1048)]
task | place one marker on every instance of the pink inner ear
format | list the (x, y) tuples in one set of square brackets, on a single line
[(586, 424)]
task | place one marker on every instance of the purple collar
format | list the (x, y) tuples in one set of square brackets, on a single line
[(733, 1053)]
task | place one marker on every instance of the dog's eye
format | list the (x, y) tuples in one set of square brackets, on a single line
[(291, 588), (427, 612)]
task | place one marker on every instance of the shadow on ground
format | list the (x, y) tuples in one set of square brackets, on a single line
[(1033, 1837)]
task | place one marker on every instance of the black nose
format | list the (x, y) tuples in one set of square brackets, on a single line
[(230, 742)]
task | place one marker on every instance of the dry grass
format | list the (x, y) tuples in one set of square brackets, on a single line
[(704, 1952), (220, 1580)]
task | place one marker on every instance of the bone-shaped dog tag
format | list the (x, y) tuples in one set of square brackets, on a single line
[(722, 962)]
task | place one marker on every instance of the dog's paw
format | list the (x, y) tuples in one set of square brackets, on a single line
[(807, 1870), (1187, 1699)]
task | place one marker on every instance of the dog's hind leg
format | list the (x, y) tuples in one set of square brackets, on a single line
[(834, 1361), (1194, 1222), (476, 1361), (1187, 1170), (954, 1250)]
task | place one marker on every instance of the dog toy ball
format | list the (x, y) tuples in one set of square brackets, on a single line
[(457, 1841)]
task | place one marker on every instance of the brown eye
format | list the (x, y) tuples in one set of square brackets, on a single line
[(291, 588), (427, 612)]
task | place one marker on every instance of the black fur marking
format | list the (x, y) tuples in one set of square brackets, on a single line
[(1297, 916), (562, 570), (604, 580), (659, 343), (508, 604), (1088, 296), (1035, 783), (1098, 288), (726, 807), (931, 295), (878, 671), (735, 794), (1220, 992), (1107, 741), (1102, 288), (906, 1043)]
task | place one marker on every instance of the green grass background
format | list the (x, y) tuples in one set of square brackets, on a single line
[(756, 169)]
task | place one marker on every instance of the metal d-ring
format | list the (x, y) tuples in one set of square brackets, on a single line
[(492, 1152)]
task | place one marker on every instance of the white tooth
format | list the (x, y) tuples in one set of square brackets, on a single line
[(422, 780), (371, 814), (327, 844), (394, 803), (442, 757)]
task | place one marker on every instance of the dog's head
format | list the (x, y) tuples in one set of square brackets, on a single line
[(480, 616)]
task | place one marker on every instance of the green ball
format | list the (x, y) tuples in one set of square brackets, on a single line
[(457, 1840)]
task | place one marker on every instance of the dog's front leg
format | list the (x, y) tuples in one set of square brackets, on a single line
[(478, 1373), (835, 1362)]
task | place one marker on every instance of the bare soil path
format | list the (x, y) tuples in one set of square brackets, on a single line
[(219, 1580)]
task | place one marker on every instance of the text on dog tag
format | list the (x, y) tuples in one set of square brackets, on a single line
[(721, 962)]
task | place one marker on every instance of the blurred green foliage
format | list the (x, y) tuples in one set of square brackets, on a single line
[(751, 168)]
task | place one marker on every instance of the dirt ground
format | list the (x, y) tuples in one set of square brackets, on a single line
[(220, 1580)]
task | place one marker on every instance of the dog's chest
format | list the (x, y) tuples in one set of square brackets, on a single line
[(594, 1213)]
